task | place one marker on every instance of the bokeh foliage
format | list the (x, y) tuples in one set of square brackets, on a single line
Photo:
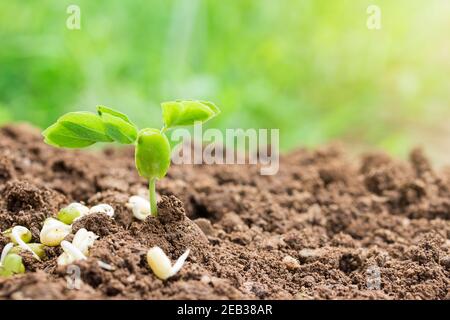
[(309, 67)]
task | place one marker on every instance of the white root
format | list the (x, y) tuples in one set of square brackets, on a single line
[(106, 266), (83, 240), (103, 208), (16, 234), (180, 262), (161, 265), (78, 249), (5, 252), (71, 254), (140, 207)]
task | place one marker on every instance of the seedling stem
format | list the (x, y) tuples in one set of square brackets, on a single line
[(153, 200)]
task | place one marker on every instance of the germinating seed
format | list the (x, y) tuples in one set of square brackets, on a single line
[(38, 249), (24, 233), (5, 252), (17, 233), (103, 208), (72, 212), (78, 249), (53, 232), (70, 254), (84, 240), (140, 207), (161, 265), (12, 264)]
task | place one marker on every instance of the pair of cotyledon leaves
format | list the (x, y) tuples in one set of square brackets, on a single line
[(82, 129)]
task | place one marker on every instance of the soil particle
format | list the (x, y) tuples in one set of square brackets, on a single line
[(99, 223), (172, 231), (24, 196), (7, 169), (324, 227), (349, 262), (206, 226), (27, 204), (118, 201)]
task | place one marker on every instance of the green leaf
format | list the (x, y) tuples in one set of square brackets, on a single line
[(152, 154), (187, 112), (77, 130), (102, 110), (118, 126), (85, 125), (59, 136)]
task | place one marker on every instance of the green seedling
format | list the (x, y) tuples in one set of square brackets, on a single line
[(152, 148)]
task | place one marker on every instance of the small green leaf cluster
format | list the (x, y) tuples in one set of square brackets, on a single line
[(153, 151)]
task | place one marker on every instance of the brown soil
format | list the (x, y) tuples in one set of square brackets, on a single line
[(321, 228)]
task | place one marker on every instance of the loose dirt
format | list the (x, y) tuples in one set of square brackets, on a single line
[(325, 227)]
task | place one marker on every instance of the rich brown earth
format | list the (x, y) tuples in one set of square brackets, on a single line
[(324, 227)]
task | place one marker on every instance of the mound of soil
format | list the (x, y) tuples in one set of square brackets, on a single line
[(324, 227)]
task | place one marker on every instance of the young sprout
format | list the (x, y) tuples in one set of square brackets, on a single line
[(70, 254), (153, 151), (53, 232), (25, 235), (78, 249), (139, 206), (103, 208), (72, 212), (84, 240), (161, 265), (18, 234)]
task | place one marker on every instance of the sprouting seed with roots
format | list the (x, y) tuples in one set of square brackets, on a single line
[(10, 262), (161, 265), (140, 207), (75, 211), (5, 252), (78, 249), (18, 234), (103, 208)]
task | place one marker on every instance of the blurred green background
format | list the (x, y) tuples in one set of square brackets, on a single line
[(311, 68)]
